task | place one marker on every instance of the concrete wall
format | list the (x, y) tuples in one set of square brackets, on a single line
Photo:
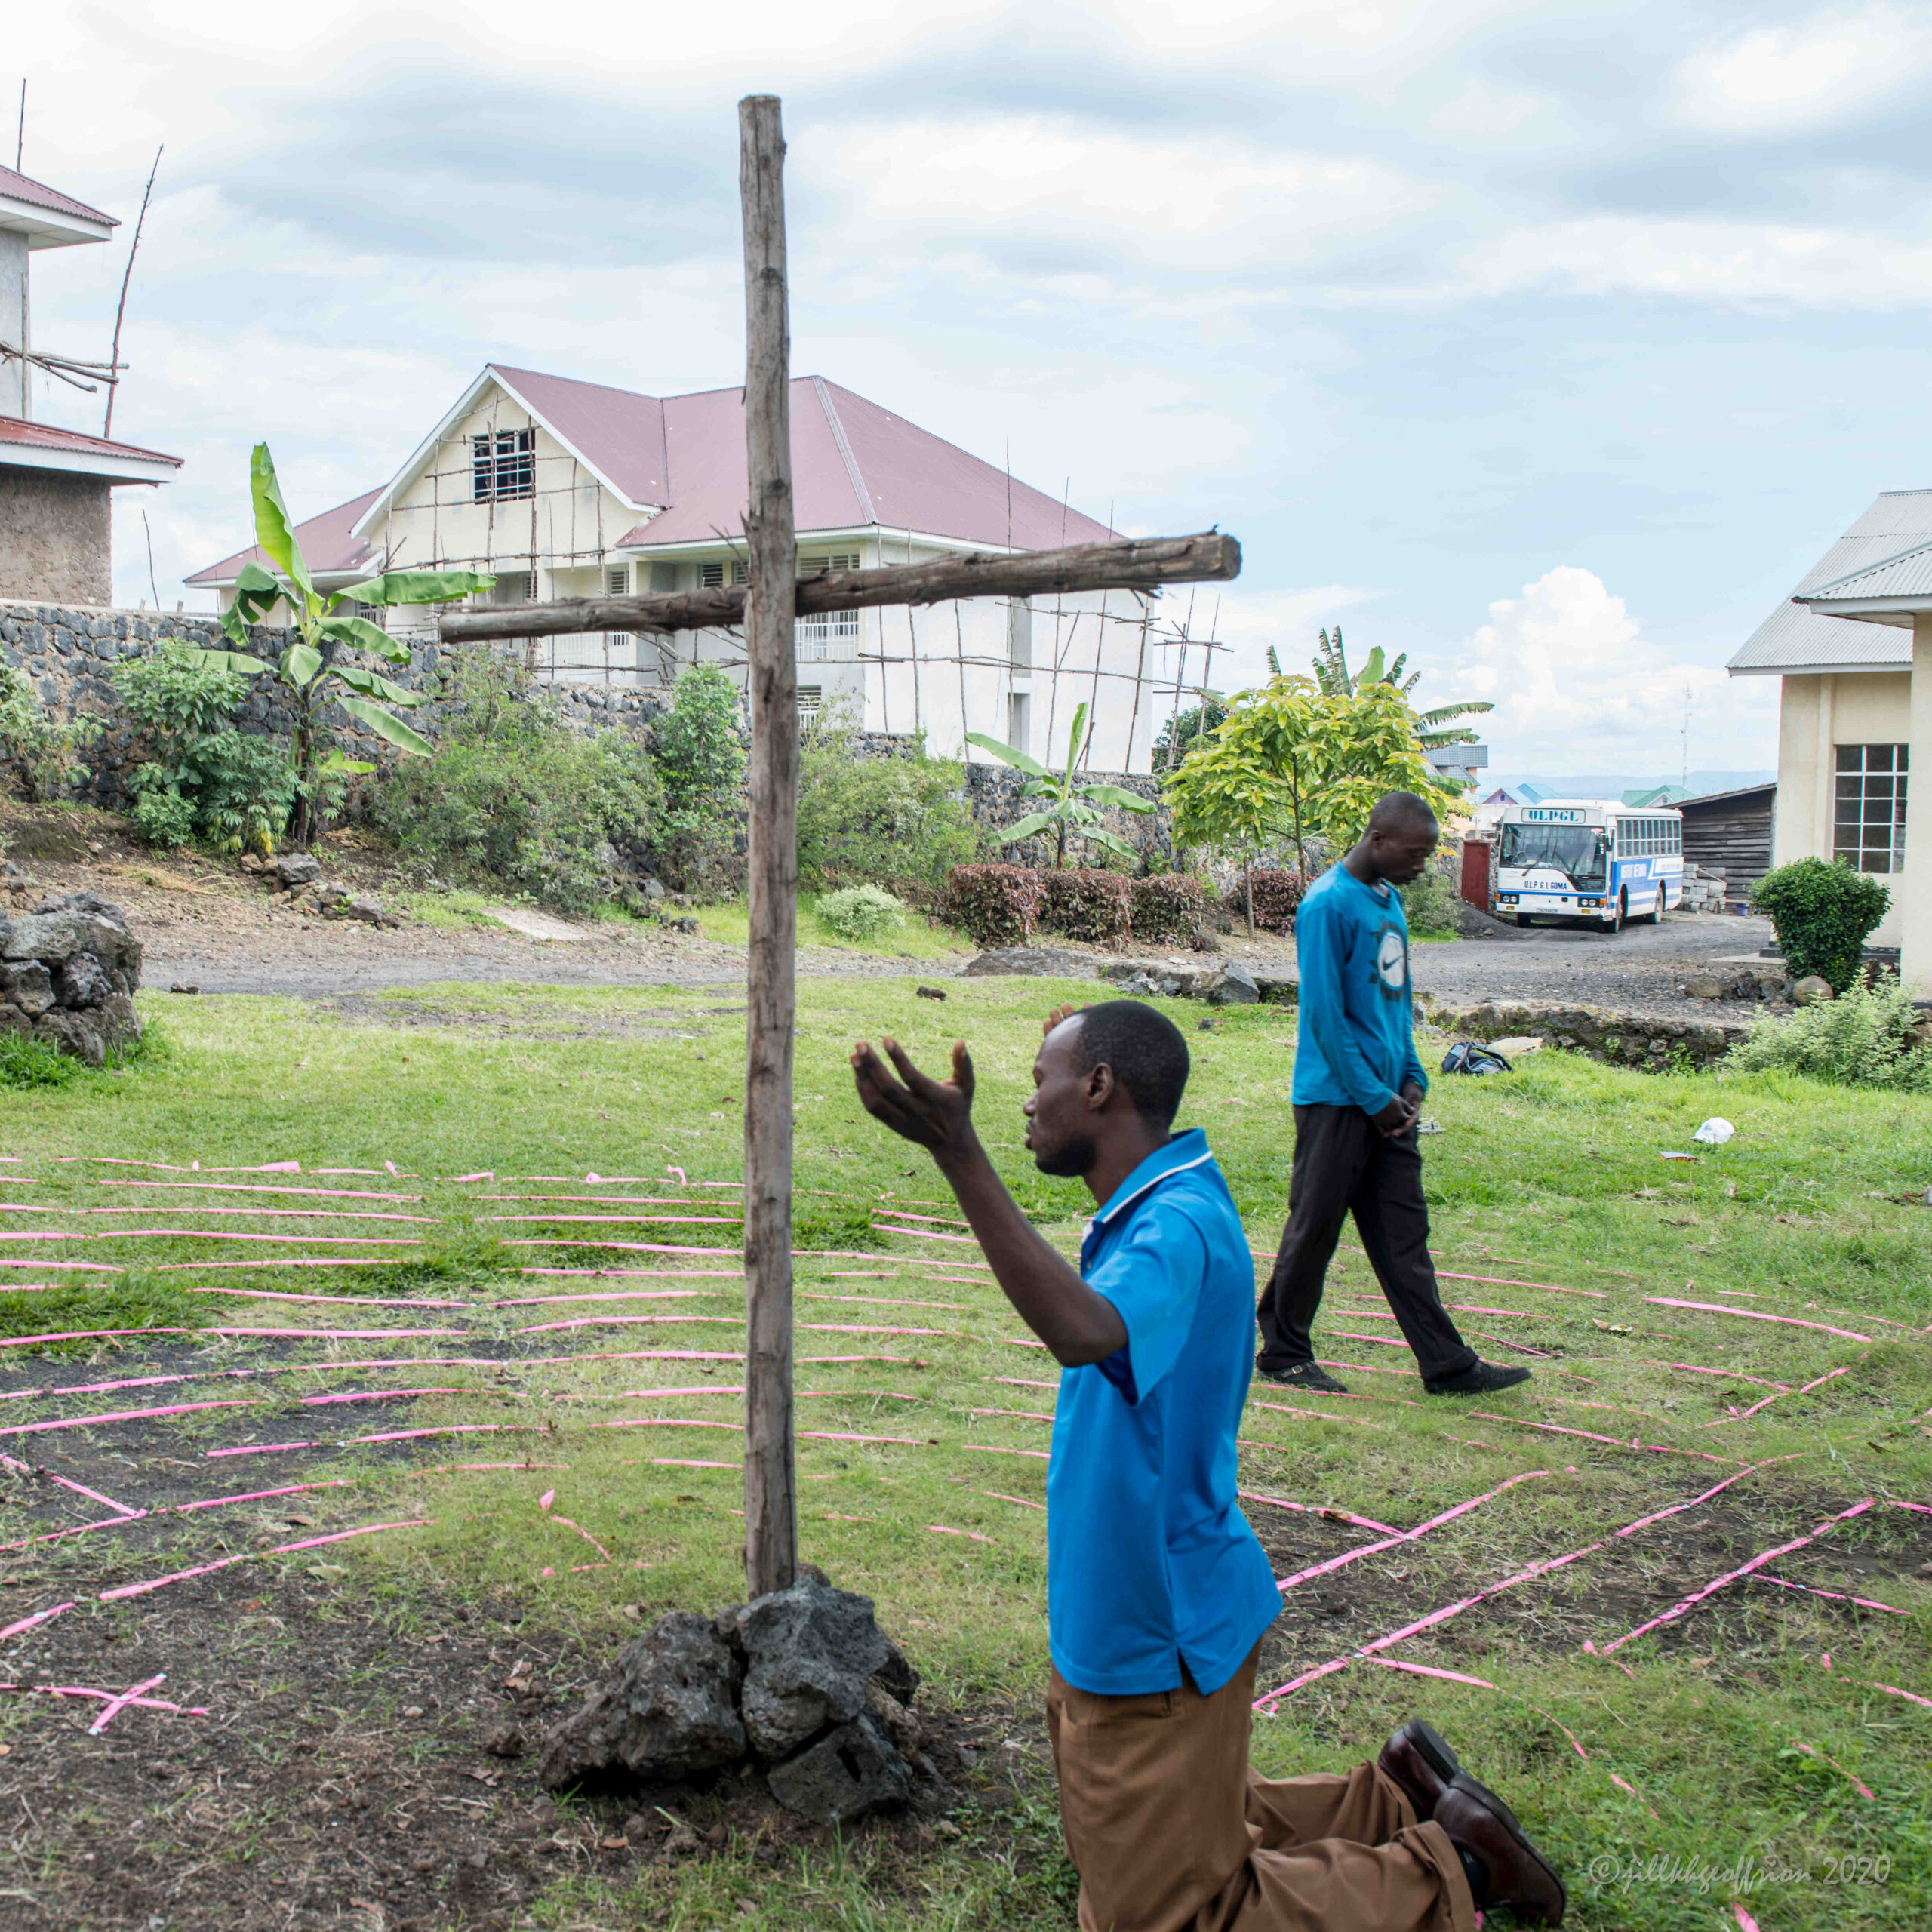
[(1817, 714), (56, 535), (13, 319)]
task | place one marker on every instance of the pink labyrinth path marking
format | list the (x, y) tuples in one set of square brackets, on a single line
[(523, 1353)]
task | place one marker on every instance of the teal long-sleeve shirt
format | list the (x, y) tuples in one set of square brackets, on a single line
[(1356, 1047)]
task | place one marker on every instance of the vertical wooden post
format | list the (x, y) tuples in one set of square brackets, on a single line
[(771, 1516)]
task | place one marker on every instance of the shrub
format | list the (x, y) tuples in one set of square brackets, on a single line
[(700, 750), (1277, 898), (1821, 913), (995, 905), (1865, 1038), (1428, 903), (206, 779), (47, 756), (163, 818), (1167, 907), (1086, 904), (901, 820), (512, 795), (862, 912)]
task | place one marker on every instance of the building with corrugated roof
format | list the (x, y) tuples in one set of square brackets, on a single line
[(56, 485), (564, 488), (1853, 646)]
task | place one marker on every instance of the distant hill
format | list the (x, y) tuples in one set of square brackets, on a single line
[(1613, 784)]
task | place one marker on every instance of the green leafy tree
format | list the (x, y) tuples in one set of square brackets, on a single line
[(1072, 806), (699, 749), (1185, 729), (1293, 761), (1821, 912), (1435, 729), (313, 669)]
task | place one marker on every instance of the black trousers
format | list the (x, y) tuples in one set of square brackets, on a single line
[(1344, 1166)]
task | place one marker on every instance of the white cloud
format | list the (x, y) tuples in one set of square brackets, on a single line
[(1835, 62), (1577, 686)]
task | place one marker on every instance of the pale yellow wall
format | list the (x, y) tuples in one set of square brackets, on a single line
[(1817, 714), (1914, 887), (572, 520)]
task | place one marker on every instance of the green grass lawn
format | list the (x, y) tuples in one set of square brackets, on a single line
[(918, 938), (1721, 1740)]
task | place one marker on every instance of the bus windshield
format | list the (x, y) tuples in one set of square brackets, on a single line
[(1577, 851)]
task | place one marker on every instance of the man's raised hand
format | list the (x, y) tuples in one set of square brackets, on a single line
[(1053, 1018), (933, 1113)]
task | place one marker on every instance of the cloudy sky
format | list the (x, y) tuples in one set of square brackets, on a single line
[(1548, 342)]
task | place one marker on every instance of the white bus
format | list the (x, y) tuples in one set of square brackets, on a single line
[(1588, 859)]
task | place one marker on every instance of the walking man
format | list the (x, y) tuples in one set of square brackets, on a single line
[(1157, 1591), (1358, 1089)]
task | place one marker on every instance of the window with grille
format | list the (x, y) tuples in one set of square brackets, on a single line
[(663, 578), (811, 701), (714, 577), (503, 465), (1868, 831), (617, 580), (511, 587), (837, 560)]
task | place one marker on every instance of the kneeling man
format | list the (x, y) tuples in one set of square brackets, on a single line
[(1157, 1591)]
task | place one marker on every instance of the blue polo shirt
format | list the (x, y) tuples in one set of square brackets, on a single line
[(1150, 1563)]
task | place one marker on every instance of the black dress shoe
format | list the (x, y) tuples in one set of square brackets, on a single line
[(1419, 1761), (1483, 1379), (1301, 1375), (1520, 1877)]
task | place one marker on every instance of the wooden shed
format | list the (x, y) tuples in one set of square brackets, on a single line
[(1729, 833)]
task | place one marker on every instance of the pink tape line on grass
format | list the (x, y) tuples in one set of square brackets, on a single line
[(1395, 1537), (68, 1267), (86, 1335), (127, 1415), (1811, 1589), (29, 1622), (1430, 1670), (1756, 1315), (1763, 1402), (92, 1495), (1893, 1502), (338, 1334), (338, 1301), (1322, 1510), (115, 1705), (245, 1187), (1858, 1784), (1591, 1435), (987, 1449), (119, 1522), (631, 1321), (939, 1529), (215, 1234), (614, 1294), (279, 1549), (1498, 1282), (632, 1274), (1678, 1508), (1690, 1603), (998, 1497)]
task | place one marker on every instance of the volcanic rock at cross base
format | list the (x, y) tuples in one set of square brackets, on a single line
[(801, 1682), (68, 972)]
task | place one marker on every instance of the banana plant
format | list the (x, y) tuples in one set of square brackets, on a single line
[(314, 668), (1072, 808)]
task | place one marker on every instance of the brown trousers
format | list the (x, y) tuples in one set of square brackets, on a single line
[(1170, 1829)]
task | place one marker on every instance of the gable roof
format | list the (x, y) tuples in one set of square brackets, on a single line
[(29, 445), (329, 545), (1908, 574), (61, 219), (1796, 638), (679, 461)]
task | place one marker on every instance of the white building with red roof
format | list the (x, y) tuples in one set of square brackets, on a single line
[(571, 489), (56, 485)]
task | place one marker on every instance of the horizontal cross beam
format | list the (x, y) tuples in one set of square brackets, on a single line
[(1139, 564)]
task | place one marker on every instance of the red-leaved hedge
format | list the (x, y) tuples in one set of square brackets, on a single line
[(1090, 905), (1169, 907), (996, 905), (1277, 899)]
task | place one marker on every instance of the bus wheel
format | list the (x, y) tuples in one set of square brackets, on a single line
[(1655, 916), (1614, 924)]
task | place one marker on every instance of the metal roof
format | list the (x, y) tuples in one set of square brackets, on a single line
[(17, 187), (1796, 638), (29, 445), (1769, 787), (1908, 574), (329, 547)]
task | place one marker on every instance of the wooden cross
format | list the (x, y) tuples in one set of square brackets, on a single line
[(776, 597)]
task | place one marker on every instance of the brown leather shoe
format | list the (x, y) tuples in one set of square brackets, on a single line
[(1418, 1761), (1520, 1877)]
